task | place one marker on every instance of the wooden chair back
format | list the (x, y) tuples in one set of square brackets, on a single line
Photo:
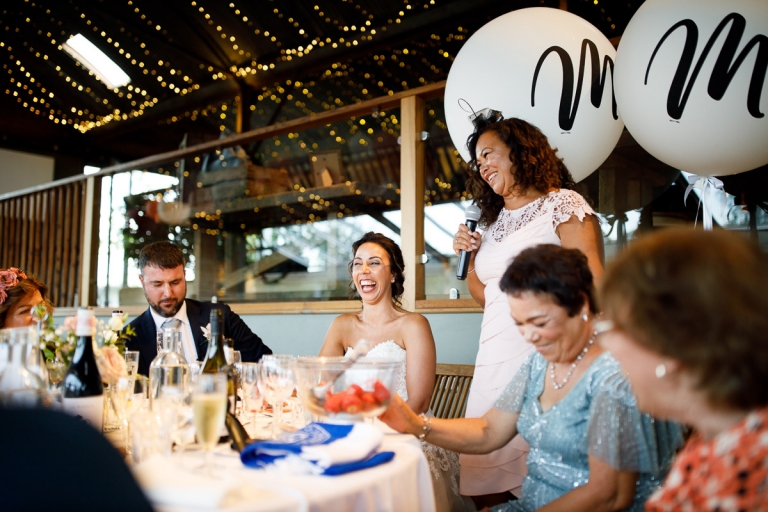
[(449, 398)]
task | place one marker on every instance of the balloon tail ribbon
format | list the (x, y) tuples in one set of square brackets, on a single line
[(702, 183)]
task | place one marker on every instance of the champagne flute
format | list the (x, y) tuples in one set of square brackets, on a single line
[(209, 405), (278, 379)]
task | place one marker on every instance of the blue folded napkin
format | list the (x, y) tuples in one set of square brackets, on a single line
[(320, 448)]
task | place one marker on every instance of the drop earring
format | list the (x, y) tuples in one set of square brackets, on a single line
[(585, 317), (661, 371)]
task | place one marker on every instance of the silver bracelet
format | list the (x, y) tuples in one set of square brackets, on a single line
[(470, 271), (426, 427)]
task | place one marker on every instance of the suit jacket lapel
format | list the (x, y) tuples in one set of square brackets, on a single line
[(196, 320), (148, 331)]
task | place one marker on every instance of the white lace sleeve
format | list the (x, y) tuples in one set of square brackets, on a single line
[(568, 203), (511, 399)]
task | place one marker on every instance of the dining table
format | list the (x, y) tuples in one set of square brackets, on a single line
[(177, 483)]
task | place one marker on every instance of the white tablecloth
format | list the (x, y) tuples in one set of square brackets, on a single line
[(401, 485)]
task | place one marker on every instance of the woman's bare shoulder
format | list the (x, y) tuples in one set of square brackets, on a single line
[(411, 319), (345, 319)]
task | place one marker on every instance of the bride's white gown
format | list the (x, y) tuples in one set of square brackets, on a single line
[(443, 464)]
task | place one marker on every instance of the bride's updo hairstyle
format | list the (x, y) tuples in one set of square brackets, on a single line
[(396, 263)]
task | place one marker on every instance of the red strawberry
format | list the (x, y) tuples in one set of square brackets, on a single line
[(333, 402), (356, 390), (369, 401), (351, 404), (380, 392)]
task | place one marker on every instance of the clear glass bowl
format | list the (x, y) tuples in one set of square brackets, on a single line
[(363, 390)]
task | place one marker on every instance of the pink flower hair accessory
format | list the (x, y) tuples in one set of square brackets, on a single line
[(8, 279)]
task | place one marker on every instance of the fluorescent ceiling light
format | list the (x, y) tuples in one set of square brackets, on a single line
[(95, 60)]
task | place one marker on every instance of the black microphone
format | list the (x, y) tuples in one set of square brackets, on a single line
[(472, 215)]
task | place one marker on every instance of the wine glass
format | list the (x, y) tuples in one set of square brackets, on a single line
[(252, 396), (132, 361), (209, 406), (194, 371), (237, 362), (56, 371), (278, 380), (183, 429)]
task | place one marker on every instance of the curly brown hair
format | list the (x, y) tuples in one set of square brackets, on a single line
[(535, 165), (16, 293), (396, 263), (698, 297)]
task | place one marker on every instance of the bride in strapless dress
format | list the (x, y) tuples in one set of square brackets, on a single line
[(392, 332)]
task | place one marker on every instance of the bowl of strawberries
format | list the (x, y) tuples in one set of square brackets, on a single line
[(364, 389)]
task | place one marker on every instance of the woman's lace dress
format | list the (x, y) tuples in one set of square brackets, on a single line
[(502, 349), (443, 464)]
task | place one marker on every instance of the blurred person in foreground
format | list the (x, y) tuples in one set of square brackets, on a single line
[(524, 192), (686, 315), (19, 294), (591, 449), (165, 287)]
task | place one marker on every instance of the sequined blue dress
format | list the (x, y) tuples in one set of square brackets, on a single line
[(598, 418)]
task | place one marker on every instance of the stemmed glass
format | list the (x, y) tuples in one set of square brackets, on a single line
[(278, 380), (237, 362), (252, 396), (209, 405), (132, 361)]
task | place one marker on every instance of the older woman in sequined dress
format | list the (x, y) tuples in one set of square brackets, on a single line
[(590, 447)]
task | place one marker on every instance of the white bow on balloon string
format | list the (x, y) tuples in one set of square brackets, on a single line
[(704, 184)]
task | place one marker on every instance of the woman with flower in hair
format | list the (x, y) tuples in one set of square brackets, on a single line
[(19, 294), (523, 190)]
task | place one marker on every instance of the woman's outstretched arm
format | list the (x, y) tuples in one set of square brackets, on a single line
[(464, 435)]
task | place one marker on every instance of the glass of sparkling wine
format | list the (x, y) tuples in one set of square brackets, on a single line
[(209, 405)]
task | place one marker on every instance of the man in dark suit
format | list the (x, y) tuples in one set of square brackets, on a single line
[(162, 276)]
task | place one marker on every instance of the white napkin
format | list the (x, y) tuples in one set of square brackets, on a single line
[(361, 442), (164, 483)]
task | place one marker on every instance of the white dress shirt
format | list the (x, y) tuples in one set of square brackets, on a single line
[(187, 340)]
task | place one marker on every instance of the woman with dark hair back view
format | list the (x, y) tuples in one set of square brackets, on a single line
[(523, 191), (686, 315), (377, 271)]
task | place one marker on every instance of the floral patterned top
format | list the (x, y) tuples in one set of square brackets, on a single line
[(727, 473)]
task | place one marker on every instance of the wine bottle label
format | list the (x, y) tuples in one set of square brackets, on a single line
[(90, 409)]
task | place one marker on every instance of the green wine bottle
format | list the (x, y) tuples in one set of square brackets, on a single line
[(216, 359)]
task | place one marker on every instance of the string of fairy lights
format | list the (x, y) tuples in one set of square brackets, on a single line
[(252, 47), (361, 26), (140, 99)]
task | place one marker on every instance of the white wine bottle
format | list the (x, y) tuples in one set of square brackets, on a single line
[(82, 393), (215, 358)]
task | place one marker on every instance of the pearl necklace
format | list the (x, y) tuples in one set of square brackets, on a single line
[(573, 366)]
